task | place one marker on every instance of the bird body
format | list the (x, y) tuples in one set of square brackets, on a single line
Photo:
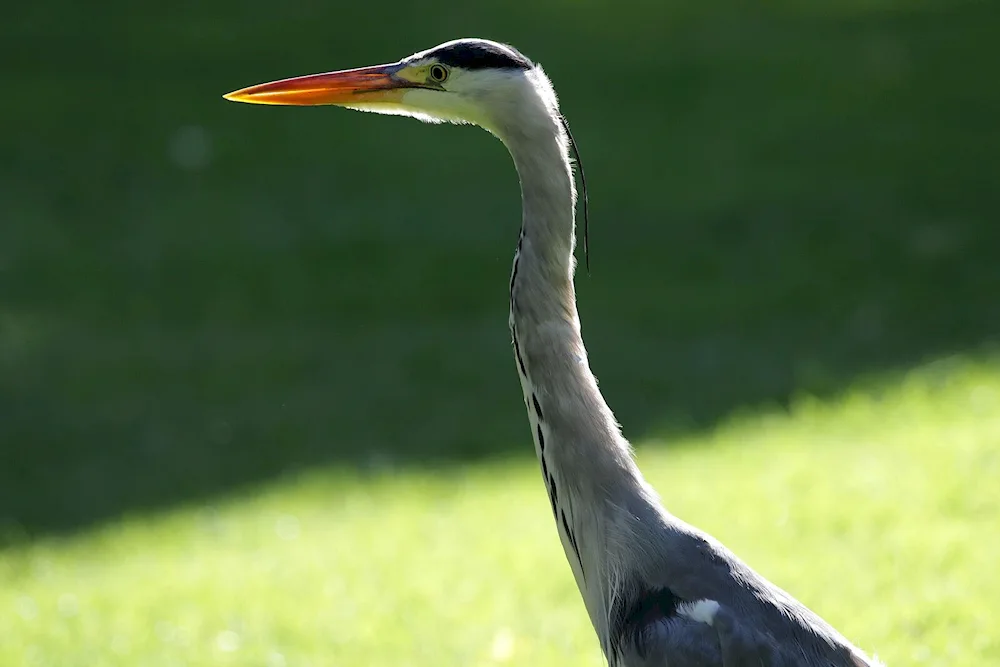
[(659, 592)]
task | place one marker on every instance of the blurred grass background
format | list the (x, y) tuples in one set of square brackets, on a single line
[(198, 298)]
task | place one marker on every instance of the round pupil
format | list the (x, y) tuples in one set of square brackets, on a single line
[(438, 73)]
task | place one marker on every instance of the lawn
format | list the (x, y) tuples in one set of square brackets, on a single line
[(257, 401), (877, 508)]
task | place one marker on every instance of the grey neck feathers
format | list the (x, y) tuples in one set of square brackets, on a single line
[(586, 464), (585, 441)]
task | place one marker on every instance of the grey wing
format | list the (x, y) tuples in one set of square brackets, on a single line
[(715, 640), (675, 643), (692, 603)]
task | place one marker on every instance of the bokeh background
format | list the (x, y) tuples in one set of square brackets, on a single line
[(200, 299)]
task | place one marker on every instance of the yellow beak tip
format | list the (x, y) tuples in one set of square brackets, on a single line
[(370, 84)]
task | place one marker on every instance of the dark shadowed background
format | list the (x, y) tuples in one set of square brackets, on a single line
[(197, 295)]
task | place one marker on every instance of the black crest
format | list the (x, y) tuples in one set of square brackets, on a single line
[(473, 54)]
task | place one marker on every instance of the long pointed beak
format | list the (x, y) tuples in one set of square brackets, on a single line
[(364, 85)]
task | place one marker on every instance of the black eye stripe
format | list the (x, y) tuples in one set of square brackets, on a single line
[(474, 54)]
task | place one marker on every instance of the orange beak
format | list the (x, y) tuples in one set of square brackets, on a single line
[(364, 85)]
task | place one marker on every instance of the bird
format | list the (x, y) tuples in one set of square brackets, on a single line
[(659, 592)]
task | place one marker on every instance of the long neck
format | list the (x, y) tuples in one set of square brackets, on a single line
[(585, 461)]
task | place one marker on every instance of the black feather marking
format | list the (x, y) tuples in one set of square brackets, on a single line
[(513, 278), (586, 198), (638, 608), (520, 361), (553, 494), (541, 437), (538, 408), (517, 258), (571, 537), (576, 548), (473, 54)]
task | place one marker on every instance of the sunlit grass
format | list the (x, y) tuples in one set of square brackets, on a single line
[(879, 509)]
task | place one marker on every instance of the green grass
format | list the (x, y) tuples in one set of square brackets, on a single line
[(879, 509), (214, 317)]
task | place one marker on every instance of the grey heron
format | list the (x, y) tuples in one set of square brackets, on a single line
[(659, 592)]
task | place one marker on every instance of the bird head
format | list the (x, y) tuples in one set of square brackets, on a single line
[(462, 81)]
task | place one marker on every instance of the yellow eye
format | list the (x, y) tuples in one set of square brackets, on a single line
[(438, 73)]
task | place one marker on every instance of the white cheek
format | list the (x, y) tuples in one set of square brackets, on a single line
[(439, 107), (393, 110)]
